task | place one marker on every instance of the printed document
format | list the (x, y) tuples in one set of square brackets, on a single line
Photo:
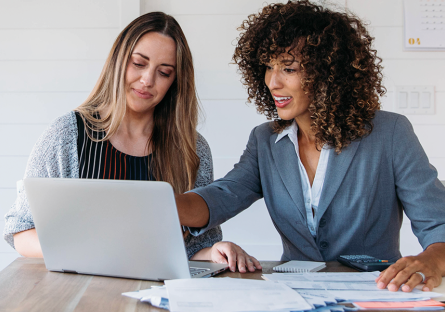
[(232, 294)]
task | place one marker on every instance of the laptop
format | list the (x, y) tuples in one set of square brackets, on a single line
[(113, 228)]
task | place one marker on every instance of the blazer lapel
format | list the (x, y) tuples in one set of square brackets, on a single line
[(286, 161), (338, 165)]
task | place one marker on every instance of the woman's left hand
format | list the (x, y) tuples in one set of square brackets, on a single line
[(234, 255), (430, 263)]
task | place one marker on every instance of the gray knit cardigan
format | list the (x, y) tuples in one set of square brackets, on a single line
[(55, 155)]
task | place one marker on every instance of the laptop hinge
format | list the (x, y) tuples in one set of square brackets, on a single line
[(69, 271)]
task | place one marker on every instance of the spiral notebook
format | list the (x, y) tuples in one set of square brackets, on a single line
[(296, 266)]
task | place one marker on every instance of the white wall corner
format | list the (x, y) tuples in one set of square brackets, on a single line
[(129, 10)]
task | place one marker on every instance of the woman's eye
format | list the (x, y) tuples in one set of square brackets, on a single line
[(138, 65), (268, 67), (164, 74), (289, 70)]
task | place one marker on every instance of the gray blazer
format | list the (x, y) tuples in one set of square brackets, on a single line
[(367, 187)]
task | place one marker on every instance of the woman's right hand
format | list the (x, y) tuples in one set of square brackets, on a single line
[(234, 255)]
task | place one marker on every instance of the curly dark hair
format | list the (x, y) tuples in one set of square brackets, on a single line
[(340, 71)]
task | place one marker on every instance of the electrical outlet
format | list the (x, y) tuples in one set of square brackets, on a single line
[(414, 100)]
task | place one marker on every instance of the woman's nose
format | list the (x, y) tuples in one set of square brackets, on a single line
[(274, 80), (147, 78)]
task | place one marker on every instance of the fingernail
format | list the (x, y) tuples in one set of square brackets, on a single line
[(381, 285), (426, 289), (392, 287), (406, 288)]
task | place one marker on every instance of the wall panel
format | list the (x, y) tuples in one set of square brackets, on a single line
[(428, 137), (213, 45), (37, 107), (403, 72), (222, 165), (203, 7), (219, 84), (228, 125), (27, 135), (24, 14), (49, 76), (57, 44), (378, 12), (12, 169)]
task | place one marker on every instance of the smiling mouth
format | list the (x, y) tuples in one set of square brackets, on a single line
[(282, 101), (142, 94)]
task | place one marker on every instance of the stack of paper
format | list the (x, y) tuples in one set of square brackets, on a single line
[(229, 294), (314, 292), (351, 287)]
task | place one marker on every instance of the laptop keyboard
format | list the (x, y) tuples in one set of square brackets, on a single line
[(195, 271)]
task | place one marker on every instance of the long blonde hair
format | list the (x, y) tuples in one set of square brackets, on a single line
[(173, 139)]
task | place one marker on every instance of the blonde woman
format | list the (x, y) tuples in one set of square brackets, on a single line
[(138, 123)]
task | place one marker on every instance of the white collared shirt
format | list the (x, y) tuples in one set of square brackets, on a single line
[(311, 195)]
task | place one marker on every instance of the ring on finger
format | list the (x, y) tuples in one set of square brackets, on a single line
[(423, 276)]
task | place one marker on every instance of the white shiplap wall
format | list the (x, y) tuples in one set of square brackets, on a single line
[(52, 51), (51, 54)]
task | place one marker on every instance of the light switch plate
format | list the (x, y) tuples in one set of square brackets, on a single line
[(415, 100)]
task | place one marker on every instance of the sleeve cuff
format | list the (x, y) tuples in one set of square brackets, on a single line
[(198, 231)]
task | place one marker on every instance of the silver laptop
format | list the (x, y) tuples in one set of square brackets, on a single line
[(114, 228)]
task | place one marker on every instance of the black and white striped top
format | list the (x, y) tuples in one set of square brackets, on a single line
[(100, 160)]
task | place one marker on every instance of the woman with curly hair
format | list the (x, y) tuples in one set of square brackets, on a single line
[(336, 173)]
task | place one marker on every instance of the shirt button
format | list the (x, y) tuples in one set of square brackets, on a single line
[(324, 245), (312, 228), (322, 222)]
